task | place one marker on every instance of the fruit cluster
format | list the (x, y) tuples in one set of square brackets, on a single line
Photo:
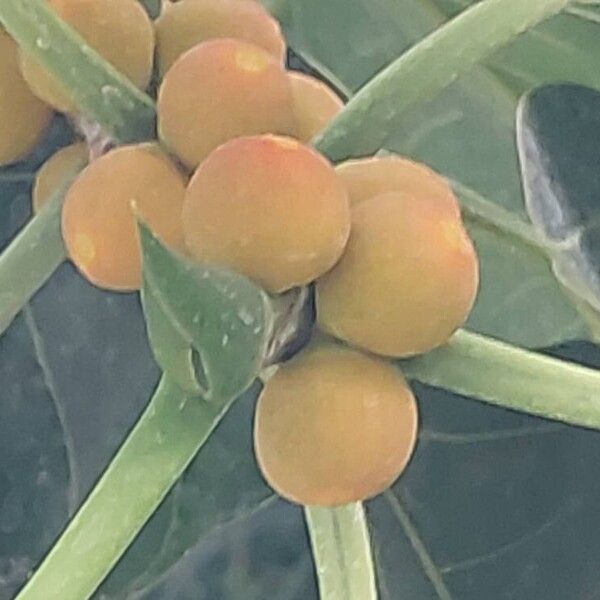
[(232, 181)]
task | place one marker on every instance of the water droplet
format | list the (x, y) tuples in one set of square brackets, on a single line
[(245, 316), (42, 43), (225, 340)]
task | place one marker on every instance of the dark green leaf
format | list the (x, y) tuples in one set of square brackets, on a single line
[(37, 489), (493, 505), (209, 327), (559, 146), (36, 477)]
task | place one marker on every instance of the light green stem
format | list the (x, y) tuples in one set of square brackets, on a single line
[(97, 88), (477, 209), (342, 552), (501, 374), (428, 68), (165, 440), (30, 259)]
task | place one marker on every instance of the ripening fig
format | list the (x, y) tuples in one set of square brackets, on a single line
[(187, 23), (407, 280), (334, 426), (220, 90), (23, 117), (368, 177), (119, 30), (99, 219), (315, 105), (58, 168), (268, 207)]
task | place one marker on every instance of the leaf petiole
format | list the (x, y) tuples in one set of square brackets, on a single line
[(99, 90), (426, 69), (342, 552), (30, 259), (497, 373)]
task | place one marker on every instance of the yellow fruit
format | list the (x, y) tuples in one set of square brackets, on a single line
[(100, 211), (334, 426), (268, 207), (219, 90), (368, 177), (189, 22), (56, 169), (407, 279), (119, 30), (23, 118), (315, 105)]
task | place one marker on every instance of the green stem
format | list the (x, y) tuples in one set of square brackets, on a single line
[(501, 374), (30, 259), (96, 87), (478, 209), (428, 68), (164, 441), (342, 552)]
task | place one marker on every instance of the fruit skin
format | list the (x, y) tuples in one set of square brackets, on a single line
[(268, 207), (368, 177), (99, 222), (23, 118), (220, 90), (55, 170), (119, 30), (334, 426), (187, 23), (315, 105), (407, 280)]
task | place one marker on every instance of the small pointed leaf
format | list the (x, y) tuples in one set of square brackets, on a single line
[(209, 327)]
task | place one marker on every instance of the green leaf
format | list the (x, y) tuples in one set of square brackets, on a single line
[(558, 128), (466, 133), (494, 504), (36, 485), (209, 327)]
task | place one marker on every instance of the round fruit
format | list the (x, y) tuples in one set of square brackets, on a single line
[(334, 426), (268, 207), (315, 105), (23, 118), (187, 23), (53, 173), (368, 177), (407, 280), (99, 215), (219, 90), (119, 30)]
